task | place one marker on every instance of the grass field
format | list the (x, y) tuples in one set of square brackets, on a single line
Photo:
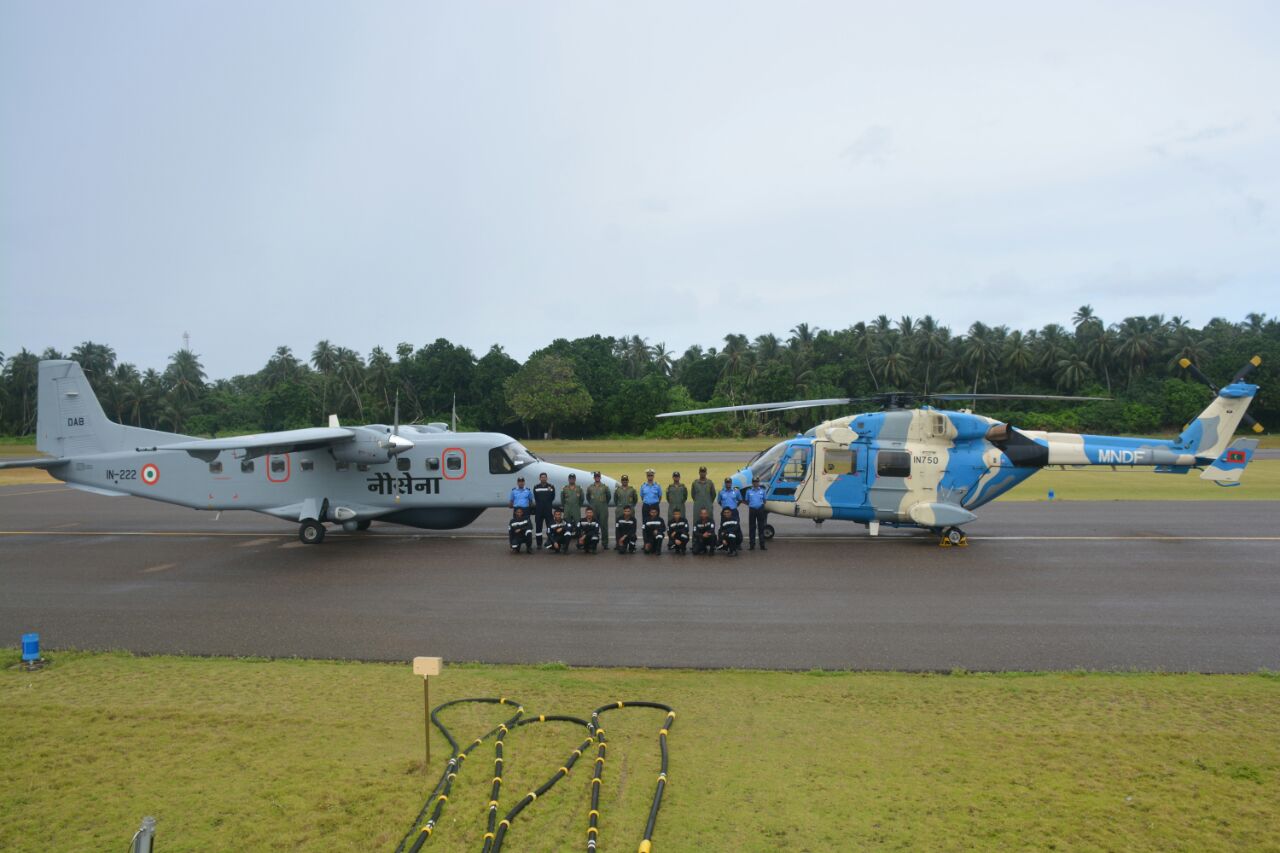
[(291, 755)]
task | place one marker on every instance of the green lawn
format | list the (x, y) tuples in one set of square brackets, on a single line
[(292, 755)]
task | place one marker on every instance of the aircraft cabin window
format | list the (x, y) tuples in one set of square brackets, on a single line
[(215, 467), (246, 466), (433, 463), (893, 463), (308, 464), (277, 466), (403, 464), (341, 466), (453, 463), (360, 466)]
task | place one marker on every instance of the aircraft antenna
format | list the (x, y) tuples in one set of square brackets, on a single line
[(186, 341)]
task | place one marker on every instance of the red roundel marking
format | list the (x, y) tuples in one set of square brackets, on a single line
[(150, 474)]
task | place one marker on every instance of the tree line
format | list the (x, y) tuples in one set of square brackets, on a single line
[(601, 386)]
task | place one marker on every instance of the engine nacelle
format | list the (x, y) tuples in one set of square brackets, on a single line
[(370, 447)]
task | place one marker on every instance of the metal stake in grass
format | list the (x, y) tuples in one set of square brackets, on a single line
[(426, 667)]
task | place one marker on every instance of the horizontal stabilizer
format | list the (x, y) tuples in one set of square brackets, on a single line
[(1227, 469)]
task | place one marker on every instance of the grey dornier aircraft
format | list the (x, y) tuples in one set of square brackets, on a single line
[(420, 476)]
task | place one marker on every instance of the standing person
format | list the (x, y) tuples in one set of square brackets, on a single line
[(559, 533), (678, 532), (544, 498), (704, 533), (654, 531), (520, 531), (624, 532), (571, 500), (599, 497), (677, 494), (650, 496), (625, 496), (520, 498), (757, 515), (729, 499), (704, 496), (730, 532), (588, 532)]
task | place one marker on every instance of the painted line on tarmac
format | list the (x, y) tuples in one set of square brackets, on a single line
[(271, 537), (33, 492)]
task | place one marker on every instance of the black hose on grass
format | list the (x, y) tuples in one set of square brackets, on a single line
[(496, 830)]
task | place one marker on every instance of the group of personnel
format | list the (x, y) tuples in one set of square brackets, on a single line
[(579, 519)]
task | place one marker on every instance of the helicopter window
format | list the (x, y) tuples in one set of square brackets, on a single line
[(893, 463), (503, 460), (797, 464), (765, 465), (246, 466), (433, 463), (215, 467), (403, 464), (838, 462), (308, 464)]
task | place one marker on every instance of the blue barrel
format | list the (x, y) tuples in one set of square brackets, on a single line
[(30, 647)]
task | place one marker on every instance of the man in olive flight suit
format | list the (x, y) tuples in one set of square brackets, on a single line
[(677, 495), (598, 498), (571, 500), (704, 495), (624, 496)]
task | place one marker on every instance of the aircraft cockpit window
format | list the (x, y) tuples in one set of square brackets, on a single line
[(893, 463), (765, 465), (507, 459), (215, 467), (797, 464), (433, 463), (403, 464), (246, 466)]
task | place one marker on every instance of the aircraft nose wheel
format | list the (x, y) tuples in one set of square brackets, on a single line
[(767, 533), (311, 532), (953, 537)]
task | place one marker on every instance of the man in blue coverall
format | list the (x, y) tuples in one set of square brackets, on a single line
[(650, 496), (521, 498), (757, 515), (730, 498)]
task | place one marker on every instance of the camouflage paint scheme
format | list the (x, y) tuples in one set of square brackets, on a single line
[(959, 461), (420, 476)]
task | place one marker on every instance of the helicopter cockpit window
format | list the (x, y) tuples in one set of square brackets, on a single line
[(509, 458), (765, 465), (797, 465)]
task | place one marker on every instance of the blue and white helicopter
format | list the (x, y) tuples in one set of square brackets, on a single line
[(932, 468)]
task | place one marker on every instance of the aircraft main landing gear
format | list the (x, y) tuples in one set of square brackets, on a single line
[(767, 533), (311, 532), (953, 537)]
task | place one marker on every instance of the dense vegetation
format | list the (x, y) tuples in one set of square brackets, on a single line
[(597, 386)]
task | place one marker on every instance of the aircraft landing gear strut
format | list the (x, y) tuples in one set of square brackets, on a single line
[(311, 532), (953, 537)]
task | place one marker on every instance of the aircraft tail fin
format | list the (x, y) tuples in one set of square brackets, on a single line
[(1227, 469), (1210, 433), (70, 420)]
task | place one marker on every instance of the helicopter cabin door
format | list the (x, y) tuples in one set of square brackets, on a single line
[(791, 473)]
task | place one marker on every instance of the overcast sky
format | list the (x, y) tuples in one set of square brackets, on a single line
[(273, 173)]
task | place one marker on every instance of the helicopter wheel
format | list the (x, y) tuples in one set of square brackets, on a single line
[(311, 532), (953, 536), (767, 533)]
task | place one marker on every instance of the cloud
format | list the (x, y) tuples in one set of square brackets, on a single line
[(873, 147)]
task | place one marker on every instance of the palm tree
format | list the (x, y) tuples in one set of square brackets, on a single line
[(734, 357), (380, 375), (350, 371), (662, 362), (185, 374), (1084, 314), (767, 346), (282, 368), (1071, 372), (23, 374), (1018, 355), (638, 354), (324, 358), (1135, 344), (931, 345), (893, 362), (801, 337), (97, 360), (979, 351)]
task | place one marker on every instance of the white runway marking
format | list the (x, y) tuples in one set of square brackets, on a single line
[(160, 568), (32, 492)]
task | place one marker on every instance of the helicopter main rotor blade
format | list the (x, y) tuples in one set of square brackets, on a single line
[(964, 396), (763, 407)]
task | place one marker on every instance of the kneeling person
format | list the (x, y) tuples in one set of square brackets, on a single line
[(560, 532), (704, 533), (730, 532), (624, 532), (520, 532), (655, 529), (588, 532), (678, 532)]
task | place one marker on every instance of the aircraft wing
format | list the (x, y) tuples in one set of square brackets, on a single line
[(44, 462), (286, 441)]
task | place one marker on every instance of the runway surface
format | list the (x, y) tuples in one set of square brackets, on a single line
[(1157, 585)]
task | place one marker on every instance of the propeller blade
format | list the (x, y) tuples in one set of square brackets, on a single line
[(1248, 368), (763, 407)]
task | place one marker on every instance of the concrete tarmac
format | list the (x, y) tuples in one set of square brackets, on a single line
[(1149, 585)]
